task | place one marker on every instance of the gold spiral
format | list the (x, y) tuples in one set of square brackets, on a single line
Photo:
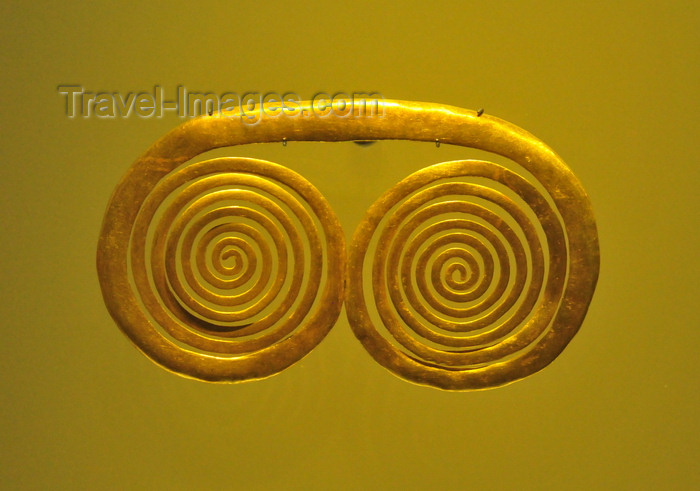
[(467, 275), (236, 269), (461, 279)]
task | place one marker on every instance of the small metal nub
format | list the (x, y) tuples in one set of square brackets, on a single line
[(437, 142), (480, 112), (284, 142)]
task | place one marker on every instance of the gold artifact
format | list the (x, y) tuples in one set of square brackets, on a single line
[(465, 275)]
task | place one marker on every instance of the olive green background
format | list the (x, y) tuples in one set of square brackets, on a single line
[(611, 86)]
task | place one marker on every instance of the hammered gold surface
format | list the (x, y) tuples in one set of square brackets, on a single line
[(259, 304), (466, 291)]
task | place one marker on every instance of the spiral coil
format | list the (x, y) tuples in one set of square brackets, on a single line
[(465, 275), (227, 261), (460, 276)]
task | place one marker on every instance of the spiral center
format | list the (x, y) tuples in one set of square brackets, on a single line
[(458, 272), (231, 258)]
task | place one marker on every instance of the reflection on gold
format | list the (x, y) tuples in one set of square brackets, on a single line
[(465, 275)]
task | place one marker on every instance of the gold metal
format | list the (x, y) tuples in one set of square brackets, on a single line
[(254, 300), (234, 269)]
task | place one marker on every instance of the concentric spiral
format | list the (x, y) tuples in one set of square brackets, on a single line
[(465, 275), (236, 269), (468, 264)]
